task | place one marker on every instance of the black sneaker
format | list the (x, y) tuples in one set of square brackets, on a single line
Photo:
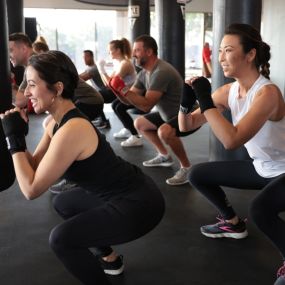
[(225, 229), (113, 268)]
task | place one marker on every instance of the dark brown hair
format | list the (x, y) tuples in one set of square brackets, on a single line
[(250, 38)]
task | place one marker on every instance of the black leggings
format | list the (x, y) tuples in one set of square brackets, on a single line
[(91, 222), (109, 97), (120, 110), (264, 209)]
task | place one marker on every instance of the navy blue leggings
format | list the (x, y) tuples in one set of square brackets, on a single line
[(265, 208), (91, 222)]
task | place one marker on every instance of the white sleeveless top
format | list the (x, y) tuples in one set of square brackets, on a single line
[(267, 147), (129, 79)]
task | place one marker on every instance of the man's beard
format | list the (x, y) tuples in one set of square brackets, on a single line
[(141, 63)]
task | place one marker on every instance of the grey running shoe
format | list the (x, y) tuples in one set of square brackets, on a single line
[(225, 229), (159, 160), (281, 275), (280, 281), (180, 177), (61, 186), (113, 268)]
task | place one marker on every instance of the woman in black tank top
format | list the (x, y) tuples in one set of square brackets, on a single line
[(114, 203)]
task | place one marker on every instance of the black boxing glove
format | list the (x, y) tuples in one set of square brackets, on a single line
[(188, 99), (15, 129), (202, 89)]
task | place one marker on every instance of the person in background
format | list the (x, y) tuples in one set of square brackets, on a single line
[(20, 50), (40, 47), (92, 72), (120, 52), (207, 62), (163, 86), (258, 122), (115, 202)]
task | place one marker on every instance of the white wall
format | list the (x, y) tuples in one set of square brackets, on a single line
[(273, 23)]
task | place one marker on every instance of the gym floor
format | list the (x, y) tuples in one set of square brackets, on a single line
[(174, 253)]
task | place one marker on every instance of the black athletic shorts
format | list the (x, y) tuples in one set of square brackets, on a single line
[(155, 118)]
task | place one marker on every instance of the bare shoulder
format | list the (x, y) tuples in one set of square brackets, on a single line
[(77, 136), (271, 96), (77, 126), (270, 90)]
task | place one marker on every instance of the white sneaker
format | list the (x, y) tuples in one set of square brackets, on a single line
[(159, 160), (132, 141), (122, 134), (180, 177)]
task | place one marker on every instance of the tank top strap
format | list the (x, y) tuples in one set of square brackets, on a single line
[(73, 113)]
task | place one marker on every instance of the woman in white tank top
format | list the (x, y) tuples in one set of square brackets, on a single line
[(257, 108)]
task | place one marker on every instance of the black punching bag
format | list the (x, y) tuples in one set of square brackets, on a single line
[(226, 12), (7, 173), (171, 26), (139, 18)]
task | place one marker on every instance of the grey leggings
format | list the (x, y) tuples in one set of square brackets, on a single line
[(265, 208)]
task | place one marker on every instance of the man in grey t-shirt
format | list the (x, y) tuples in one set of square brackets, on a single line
[(163, 87)]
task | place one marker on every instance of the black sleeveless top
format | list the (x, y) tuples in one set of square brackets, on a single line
[(103, 172)]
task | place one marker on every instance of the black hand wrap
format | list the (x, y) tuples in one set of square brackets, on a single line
[(202, 89), (15, 129), (188, 99)]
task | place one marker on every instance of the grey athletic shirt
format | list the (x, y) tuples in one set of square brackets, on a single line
[(166, 79)]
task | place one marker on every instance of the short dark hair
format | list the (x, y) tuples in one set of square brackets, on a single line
[(148, 42), (89, 51), (20, 38), (53, 66)]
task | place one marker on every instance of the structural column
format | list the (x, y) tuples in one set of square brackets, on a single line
[(139, 18), (171, 27), (226, 12)]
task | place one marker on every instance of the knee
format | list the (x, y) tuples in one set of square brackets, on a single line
[(166, 132), (57, 240), (196, 176), (60, 208), (139, 123)]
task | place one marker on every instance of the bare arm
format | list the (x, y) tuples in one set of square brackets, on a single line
[(144, 103), (20, 100), (267, 105), (85, 76), (62, 151)]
